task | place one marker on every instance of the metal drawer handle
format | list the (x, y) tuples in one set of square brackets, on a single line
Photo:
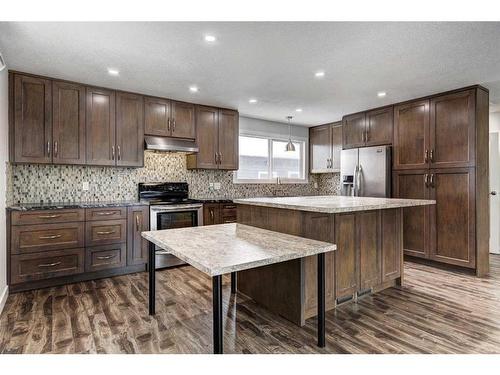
[(50, 237), (46, 265), (137, 223), (103, 257), (432, 180), (229, 221), (105, 213), (107, 232), (48, 216), (227, 207)]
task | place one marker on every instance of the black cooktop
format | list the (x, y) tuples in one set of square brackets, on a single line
[(165, 193)]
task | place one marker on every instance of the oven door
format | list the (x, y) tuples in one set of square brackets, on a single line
[(171, 217)]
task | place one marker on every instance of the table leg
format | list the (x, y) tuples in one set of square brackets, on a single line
[(151, 270), (321, 300), (217, 311), (234, 282)]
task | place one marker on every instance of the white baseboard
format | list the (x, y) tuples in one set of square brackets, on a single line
[(3, 297)]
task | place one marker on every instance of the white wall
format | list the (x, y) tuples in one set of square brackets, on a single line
[(494, 122), (4, 136), (270, 128)]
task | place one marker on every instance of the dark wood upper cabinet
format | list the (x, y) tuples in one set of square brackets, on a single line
[(129, 130), (414, 184), (157, 116), (353, 130), (32, 120), (217, 135), (325, 144), (336, 145), (452, 130), (320, 148), (100, 127), (228, 139), (207, 135), (379, 127), (411, 135), (68, 132), (452, 219), (183, 120), (137, 247)]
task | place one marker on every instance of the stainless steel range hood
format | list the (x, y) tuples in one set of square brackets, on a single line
[(170, 144)]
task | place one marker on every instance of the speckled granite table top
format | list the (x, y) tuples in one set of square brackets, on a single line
[(224, 248), (334, 203)]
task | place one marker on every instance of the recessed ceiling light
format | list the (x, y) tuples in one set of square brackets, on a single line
[(298, 110), (210, 38), (319, 74), (381, 94), (252, 101), (113, 72), (193, 89)]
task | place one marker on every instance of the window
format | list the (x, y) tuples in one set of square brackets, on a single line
[(264, 160)]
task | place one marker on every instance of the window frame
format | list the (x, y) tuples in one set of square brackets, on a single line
[(304, 160)]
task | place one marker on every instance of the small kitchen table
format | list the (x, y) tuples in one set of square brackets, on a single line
[(228, 248)]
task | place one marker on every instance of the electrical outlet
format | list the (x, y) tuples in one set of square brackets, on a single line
[(85, 186), (217, 185), (315, 185)]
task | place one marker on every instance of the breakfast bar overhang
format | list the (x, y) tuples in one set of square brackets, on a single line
[(229, 248)]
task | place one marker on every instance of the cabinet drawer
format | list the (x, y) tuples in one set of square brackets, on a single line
[(112, 213), (105, 257), (42, 237), (49, 264), (47, 216), (105, 232)]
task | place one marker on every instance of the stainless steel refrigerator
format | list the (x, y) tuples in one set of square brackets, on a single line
[(366, 172)]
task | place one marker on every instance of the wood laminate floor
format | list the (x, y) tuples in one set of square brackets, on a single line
[(436, 311)]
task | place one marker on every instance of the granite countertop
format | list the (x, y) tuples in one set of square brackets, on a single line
[(60, 205), (334, 203), (214, 200), (224, 248)]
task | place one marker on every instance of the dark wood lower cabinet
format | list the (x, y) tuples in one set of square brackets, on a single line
[(368, 258), (55, 247), (413, 184), (219, 213), (452, 219), (137, 247)]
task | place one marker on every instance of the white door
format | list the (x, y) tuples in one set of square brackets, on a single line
[(495, 193)]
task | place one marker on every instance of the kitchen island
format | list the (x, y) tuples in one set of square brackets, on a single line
[(368, 233)]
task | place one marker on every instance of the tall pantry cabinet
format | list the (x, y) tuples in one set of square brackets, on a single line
[(441, 153)]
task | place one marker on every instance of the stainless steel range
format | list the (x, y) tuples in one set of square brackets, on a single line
[(170, 208)]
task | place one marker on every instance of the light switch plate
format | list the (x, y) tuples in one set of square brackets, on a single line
[(85, 186)]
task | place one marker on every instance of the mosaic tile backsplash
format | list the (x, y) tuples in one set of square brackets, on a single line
[(35, 183)]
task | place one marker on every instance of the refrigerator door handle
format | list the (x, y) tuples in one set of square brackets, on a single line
[(355, 181), (360, 181)]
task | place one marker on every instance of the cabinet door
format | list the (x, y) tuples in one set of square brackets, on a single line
[(183, 124), (452, 130), (68, 103), (211, 214), (129, 130), (411, 184), (228, 139), (379, 127), (137, 247), (336, 145), (32, 120), (100, 126), (411, 135), (207, 119), (353, 128), (320, 148), (367, 225), (452, 219), (346, 257), (392, 247), (156, 117)]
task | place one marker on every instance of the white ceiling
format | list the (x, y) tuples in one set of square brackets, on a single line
[(273, 62)]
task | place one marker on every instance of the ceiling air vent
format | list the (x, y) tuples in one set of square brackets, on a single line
[(2, 63)]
